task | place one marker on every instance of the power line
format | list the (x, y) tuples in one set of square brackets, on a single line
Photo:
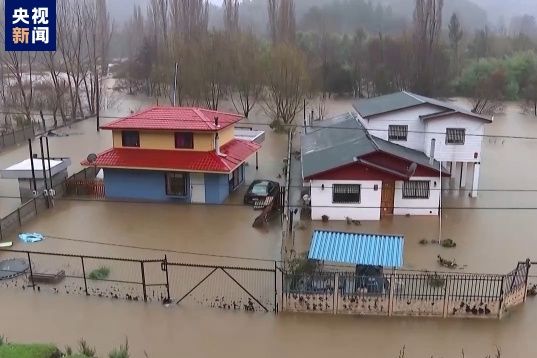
[(296, 206), (291, 126), (158, 249)]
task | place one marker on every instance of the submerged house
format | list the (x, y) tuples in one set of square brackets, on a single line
[(353, 174), (439, 129), (188, 155)]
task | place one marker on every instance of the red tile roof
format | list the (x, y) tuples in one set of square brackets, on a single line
[(236, 152), (175, 118)]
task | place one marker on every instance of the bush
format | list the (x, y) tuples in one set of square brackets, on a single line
[(29, 351), (99, 274), (123, 351)]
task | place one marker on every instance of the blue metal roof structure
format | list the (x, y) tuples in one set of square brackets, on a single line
[(357, 249)]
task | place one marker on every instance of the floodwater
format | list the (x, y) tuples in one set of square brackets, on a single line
[(489, 239)]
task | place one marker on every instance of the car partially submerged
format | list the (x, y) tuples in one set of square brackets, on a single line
[(259, 190)]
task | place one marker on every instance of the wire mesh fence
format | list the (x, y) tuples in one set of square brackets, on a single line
[(230, 288)]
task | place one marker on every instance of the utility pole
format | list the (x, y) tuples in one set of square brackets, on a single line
[(175, 84)]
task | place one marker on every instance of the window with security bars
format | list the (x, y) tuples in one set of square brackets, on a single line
[(345, 193), (398, 132), (416, 189), (455, 135)]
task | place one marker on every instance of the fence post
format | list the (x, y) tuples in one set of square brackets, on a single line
[(446, 298), (336, 293), (35, 205), (31, 270), (275, 288), (390, 297), (1, 233), (528, 265), (500, 308), (19, 215), (143, 280), (167, 278), (84, 274)]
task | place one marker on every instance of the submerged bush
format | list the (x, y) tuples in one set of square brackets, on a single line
[(99, 274)]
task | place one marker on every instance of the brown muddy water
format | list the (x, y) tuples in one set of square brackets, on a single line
[(488, 240)]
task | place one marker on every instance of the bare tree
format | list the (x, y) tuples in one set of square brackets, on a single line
[(287, 84), (427, 29), (231, 16), (247, 73), (282, 21), (191, 18)]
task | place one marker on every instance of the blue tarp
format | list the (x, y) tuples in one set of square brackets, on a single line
[(31, 237), (357, 249)]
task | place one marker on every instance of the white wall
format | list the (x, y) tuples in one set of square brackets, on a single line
[(367, 209), (409, 117), (415, 206), (197, 187), (455, 152)]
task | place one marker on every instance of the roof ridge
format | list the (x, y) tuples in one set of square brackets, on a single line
[(413, 96)]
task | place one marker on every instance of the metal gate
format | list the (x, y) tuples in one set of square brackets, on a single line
[(155, 280), (224, 287)]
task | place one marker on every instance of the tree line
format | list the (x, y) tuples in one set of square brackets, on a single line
[(66, 82)]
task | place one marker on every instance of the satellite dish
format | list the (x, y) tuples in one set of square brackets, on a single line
[(92, 158), (411, 169)]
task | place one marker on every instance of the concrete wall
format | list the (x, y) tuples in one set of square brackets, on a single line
[(216, 188), (137, 185), (367, 209), (417, 206), (409, 117), (455, 152)]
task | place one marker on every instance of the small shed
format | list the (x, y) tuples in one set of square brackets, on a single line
[(22, 171), (357, 249)]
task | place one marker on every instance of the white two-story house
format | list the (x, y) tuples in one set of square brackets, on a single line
[(437, 128)]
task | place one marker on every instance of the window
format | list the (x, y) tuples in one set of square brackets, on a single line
[(455, 135), (398, 133), (416, 189), (184, 140), (345, 193), (176, 184), (130, 139), (236, 178)]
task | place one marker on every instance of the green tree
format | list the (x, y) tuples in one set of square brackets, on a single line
[(455, 37)]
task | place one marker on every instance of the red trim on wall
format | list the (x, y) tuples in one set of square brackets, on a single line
[(354, 171)]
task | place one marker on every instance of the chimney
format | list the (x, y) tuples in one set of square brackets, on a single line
[(432, 151), (217, 146), (216, 123)]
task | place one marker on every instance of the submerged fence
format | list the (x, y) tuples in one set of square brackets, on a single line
[(230, 288), (406, 294), (267, 289), (16, 136)]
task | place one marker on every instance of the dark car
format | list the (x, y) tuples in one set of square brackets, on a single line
[(260, 189), (371, 278)]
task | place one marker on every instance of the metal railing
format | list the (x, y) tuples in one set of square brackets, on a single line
[(406, 294), (226, 287)]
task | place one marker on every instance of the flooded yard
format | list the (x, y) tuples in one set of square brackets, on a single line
[(492, 234)]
